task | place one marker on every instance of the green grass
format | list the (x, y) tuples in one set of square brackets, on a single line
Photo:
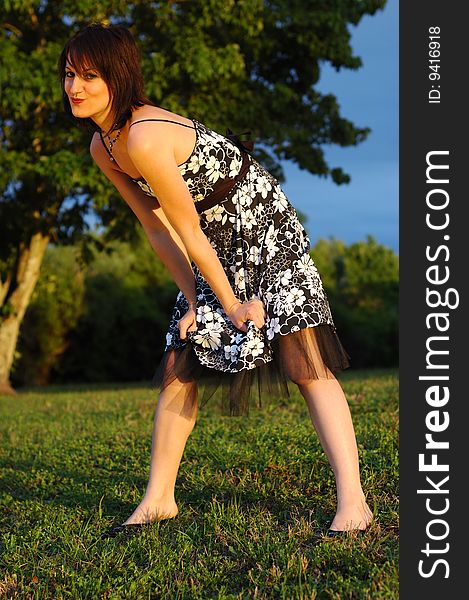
[(255, 496)]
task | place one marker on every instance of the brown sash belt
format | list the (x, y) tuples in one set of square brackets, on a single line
[(224, 187)]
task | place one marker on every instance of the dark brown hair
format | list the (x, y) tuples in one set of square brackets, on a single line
[(112, 52)]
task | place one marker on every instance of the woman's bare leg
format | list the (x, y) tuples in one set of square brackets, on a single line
[(174, 420), (330, 415)]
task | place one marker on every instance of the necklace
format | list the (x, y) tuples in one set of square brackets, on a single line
[(111, 144)]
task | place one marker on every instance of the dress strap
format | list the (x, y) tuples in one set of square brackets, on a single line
[(164, 120)]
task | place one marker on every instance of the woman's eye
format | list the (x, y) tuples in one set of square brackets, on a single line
[(70, 74)]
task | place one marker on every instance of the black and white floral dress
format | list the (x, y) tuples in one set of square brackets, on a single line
[(264, 251)]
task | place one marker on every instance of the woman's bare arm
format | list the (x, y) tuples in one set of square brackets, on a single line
[(154, 157), (161, 235)]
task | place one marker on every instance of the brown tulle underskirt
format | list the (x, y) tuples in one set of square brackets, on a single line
[(302, 356)]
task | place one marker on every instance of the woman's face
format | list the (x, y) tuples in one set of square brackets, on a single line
[(88, 94)]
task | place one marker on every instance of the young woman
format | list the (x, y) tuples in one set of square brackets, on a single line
[(251, 306)]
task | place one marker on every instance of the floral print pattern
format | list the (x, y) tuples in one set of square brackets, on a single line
[(264, 251)]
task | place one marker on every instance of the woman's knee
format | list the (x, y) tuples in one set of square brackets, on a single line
[(180, 398), (305, 377)]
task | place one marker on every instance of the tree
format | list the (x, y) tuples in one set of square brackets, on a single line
[(362, 284), (104, 321), (243, 64), (54, 310)]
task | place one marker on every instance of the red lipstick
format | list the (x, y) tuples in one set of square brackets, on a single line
[(77, 100)]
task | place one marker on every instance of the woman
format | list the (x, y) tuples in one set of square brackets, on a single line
[(251, 305)]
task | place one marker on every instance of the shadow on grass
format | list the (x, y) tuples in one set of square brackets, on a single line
[(195, 500)]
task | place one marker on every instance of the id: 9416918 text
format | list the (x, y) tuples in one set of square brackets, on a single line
[(434, 44)]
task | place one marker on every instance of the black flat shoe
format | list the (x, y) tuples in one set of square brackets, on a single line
[(129, 527), (334, 533)]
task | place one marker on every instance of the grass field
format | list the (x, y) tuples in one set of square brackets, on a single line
[(255, 497)]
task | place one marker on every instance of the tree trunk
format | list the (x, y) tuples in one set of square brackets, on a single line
[(17, 300)]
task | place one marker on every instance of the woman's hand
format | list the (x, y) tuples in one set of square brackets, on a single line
[(187, 323), (252, 310)]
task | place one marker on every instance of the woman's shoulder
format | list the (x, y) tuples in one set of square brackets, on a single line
[(158, 132)]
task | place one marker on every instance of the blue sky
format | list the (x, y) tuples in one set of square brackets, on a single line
[(369, 97)]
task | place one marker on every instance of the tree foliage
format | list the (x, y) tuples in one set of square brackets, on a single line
[(362, 283), (106, 321), (247, 64), (101, 321)]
